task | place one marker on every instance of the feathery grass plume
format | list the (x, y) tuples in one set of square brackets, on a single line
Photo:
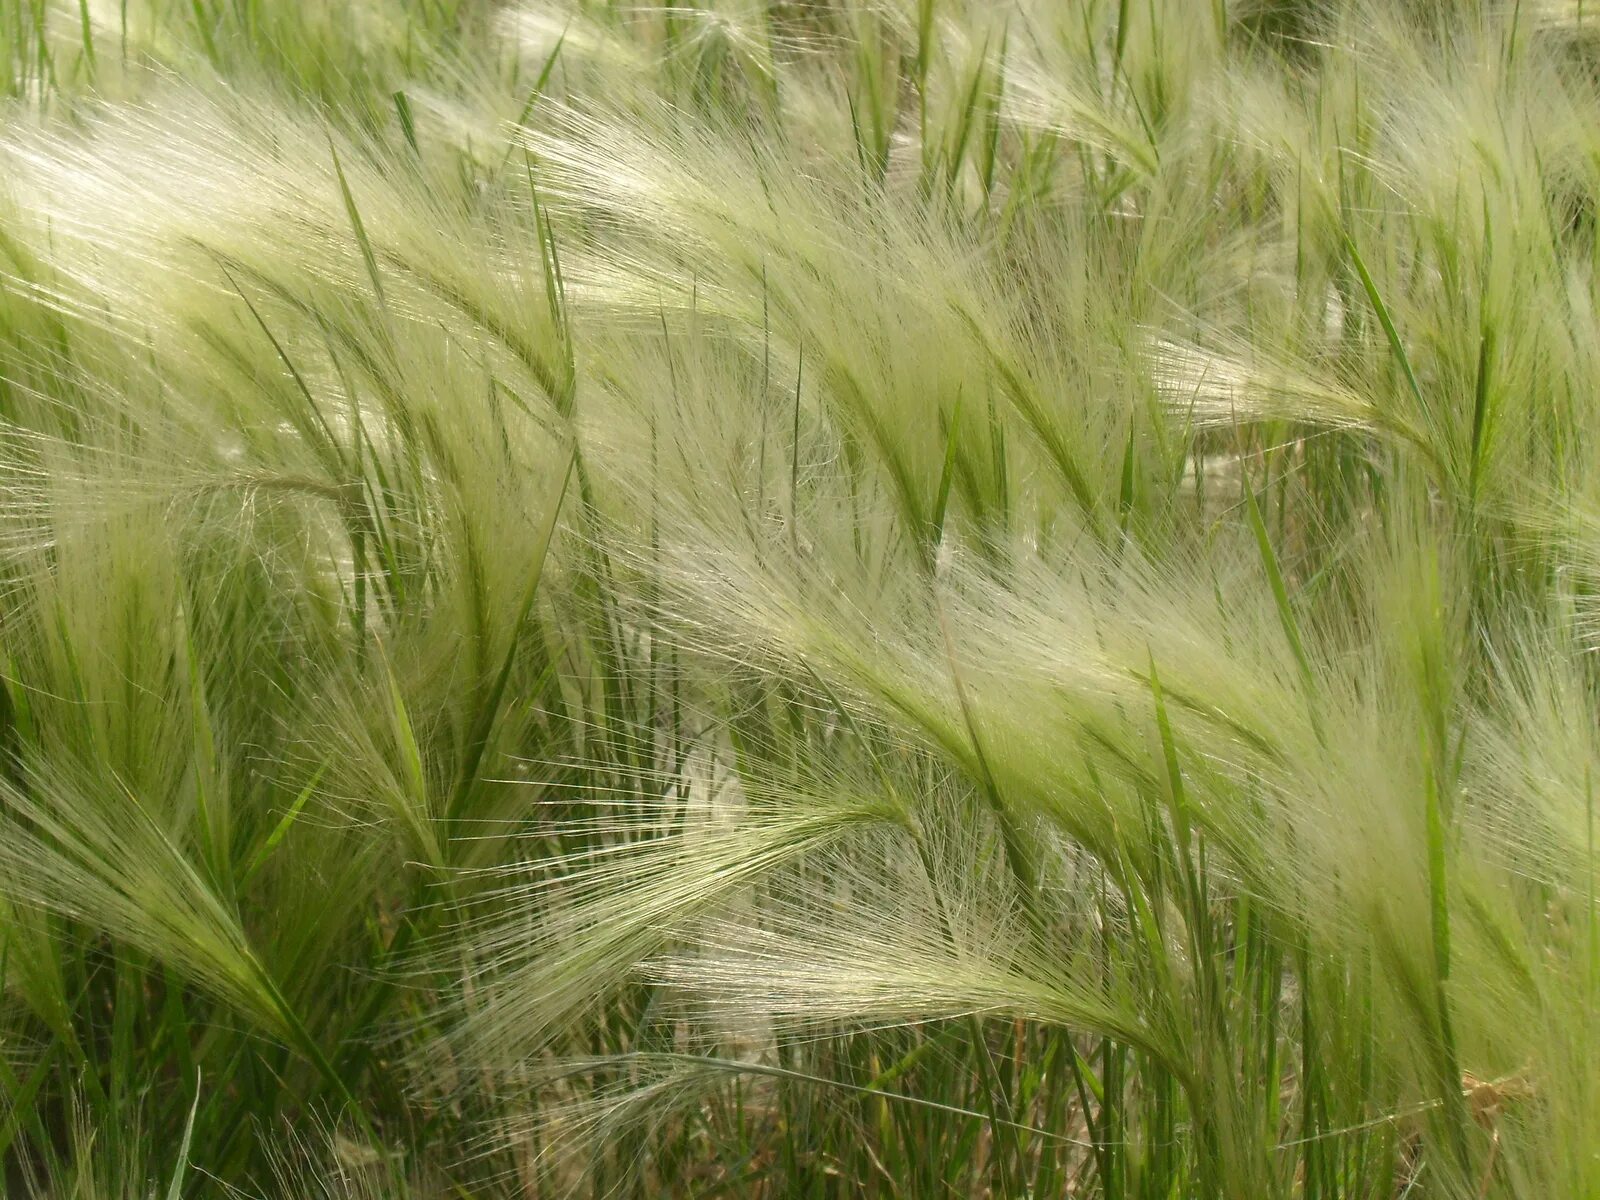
[(610, 908), (220, 561), (1255, 714), (906, 597)]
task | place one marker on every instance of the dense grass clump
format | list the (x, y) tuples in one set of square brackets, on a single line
[(909, 598)]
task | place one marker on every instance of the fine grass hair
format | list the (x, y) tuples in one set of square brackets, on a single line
[(869, 597)]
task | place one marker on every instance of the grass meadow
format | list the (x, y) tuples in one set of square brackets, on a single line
[(799, 598)]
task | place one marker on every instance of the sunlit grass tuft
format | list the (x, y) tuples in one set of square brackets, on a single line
[(889, 597)]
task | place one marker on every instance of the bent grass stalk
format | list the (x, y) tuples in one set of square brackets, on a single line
[(1124, 730)]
